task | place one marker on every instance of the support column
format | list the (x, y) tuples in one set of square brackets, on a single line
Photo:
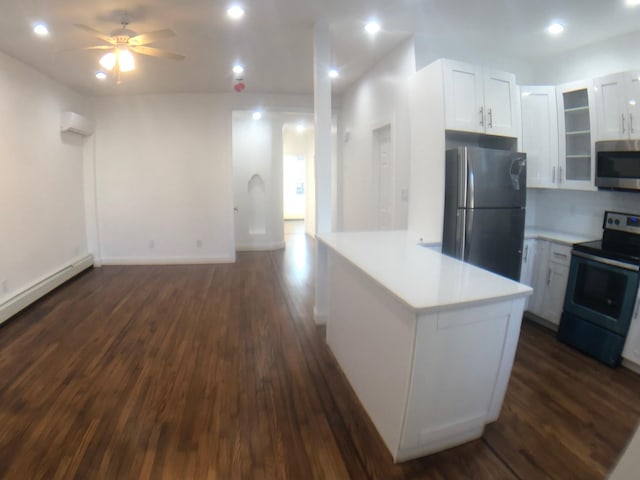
[(322, 109)]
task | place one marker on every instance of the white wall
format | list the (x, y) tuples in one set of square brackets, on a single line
[(611, 56), (163, 170), (457, 47), (41, 180), (380, 97), (257, 150), (575, 211)]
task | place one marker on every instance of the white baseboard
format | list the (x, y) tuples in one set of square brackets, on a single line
[(261, 247), (165, 260), (42, 287)]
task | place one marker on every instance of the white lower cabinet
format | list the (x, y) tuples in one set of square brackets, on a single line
[(631, 350), (550, 277), (527, 270)]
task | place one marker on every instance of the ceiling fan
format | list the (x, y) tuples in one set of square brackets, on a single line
[(122, 43)]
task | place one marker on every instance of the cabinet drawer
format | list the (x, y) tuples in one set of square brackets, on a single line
[(560, 254)]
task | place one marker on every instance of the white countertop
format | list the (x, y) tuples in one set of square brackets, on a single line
[(422, 278), (555, 236)]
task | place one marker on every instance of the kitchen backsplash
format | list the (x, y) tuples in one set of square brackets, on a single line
[(576, 211)]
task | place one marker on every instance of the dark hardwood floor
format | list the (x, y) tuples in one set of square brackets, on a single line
[(218, 372)]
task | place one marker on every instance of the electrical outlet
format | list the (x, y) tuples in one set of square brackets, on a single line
[(199, 243), (152, 244)]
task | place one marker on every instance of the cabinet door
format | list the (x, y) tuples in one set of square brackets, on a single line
[(501, 103), (576, 127), (536, 302), (540, 134), (527, 269), (611, 109), (633, 104), (556, 286), (464, 102), (632, 345)]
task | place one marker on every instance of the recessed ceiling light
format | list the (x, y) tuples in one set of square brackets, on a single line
[(300, 128), (101, 75), (633, 3), (372, 27), (238, 69), (235, 12), (555, 28), (257, 115), (41, 29), (333, 73)]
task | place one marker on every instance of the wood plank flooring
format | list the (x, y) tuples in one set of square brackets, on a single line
[(218, 372)]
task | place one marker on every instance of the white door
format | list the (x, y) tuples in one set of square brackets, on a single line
[(501, 104), (464, 97), (540, 134), (611, 109), (383, 178)]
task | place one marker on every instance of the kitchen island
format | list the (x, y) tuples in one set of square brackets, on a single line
[(427, 342)]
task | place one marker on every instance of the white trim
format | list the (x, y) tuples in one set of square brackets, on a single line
[(634, 367), (40, 288), (166, 260)]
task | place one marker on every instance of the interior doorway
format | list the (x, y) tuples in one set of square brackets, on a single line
[(383, 174), (298, 196)]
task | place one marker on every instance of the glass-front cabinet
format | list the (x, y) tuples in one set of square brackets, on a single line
[(576, 126)]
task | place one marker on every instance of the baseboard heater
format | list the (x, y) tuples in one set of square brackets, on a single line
[(38, 290)]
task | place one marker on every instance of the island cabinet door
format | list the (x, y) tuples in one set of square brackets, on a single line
[(457, 382)]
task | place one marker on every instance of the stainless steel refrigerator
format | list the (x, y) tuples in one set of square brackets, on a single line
[(485, 198)]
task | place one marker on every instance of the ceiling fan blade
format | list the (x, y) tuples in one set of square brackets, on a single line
[(145, 38), (98, 47), (156, 52), (93, 31)]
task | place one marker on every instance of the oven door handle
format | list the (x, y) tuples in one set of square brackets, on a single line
[(607, 261)]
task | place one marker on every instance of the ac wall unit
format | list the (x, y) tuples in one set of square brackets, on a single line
[(76, 123)]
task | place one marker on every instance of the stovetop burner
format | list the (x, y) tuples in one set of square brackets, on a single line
[(628, 255), (620, 239)]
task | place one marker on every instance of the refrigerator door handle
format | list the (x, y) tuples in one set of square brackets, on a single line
[(461, 234)]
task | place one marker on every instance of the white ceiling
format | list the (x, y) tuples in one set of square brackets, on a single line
[(274, 39)]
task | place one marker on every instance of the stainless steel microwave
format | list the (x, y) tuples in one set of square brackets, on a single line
[(618, 164)]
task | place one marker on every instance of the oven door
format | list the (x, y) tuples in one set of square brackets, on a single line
[(602, 291)]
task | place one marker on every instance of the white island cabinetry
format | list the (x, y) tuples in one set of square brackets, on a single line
[(426, 341)]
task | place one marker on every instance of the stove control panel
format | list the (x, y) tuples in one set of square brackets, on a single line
[(623, 222)]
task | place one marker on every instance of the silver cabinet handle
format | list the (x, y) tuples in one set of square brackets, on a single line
[(549, 277), (631, 123), (559, 174), (526, 253), (490, 113), (561, 255), (553, 175), (623, 125), (482, 116)]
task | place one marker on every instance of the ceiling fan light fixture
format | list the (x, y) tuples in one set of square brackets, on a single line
[(108, 61), (126, 62), (101, 75)]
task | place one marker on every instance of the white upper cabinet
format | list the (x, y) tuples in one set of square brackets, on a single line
[(576, 124), (617, 98), (540, 135), (480, 100)]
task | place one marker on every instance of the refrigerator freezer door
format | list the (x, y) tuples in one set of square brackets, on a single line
[(494, 178), (493, 240)]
